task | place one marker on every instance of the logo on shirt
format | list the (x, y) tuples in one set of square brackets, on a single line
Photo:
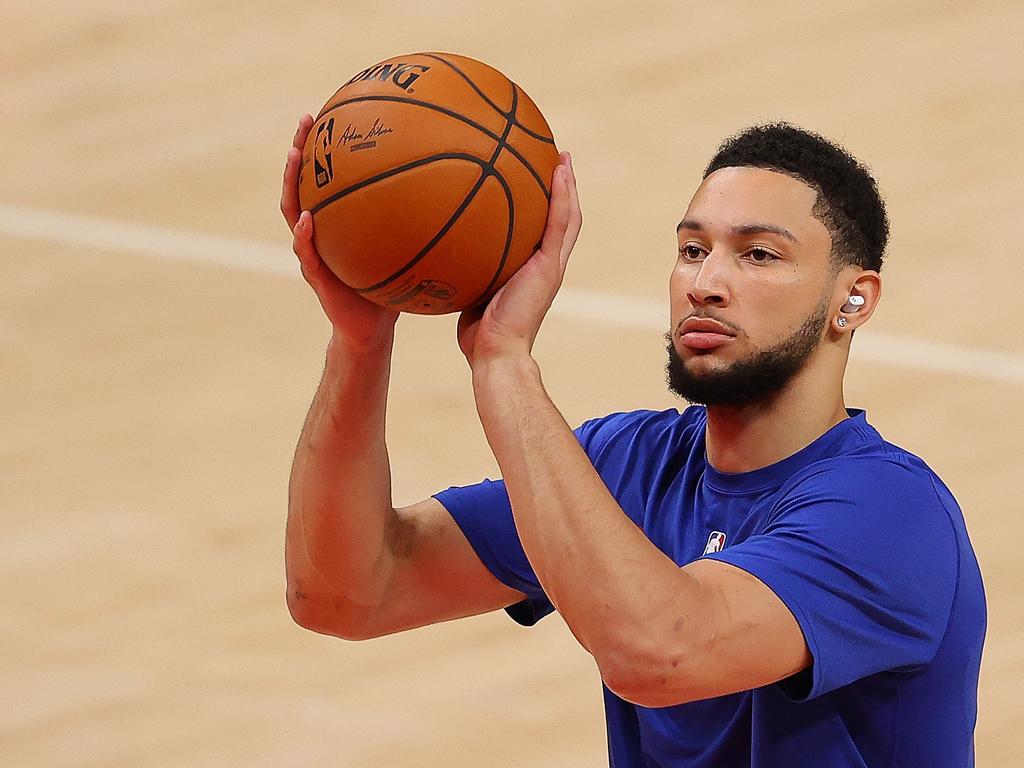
[(716, 543)]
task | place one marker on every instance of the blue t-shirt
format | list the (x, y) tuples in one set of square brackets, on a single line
[(861, 541)]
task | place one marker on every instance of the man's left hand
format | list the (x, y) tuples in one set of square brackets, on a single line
[(510, 321)]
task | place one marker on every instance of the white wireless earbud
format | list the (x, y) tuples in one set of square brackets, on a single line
[(853, 304)]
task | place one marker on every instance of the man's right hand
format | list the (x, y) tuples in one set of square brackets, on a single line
[(357, 321)]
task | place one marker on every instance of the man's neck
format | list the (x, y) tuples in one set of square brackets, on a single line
[(748, 437)]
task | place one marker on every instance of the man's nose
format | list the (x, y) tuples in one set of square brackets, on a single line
[(710, 286)]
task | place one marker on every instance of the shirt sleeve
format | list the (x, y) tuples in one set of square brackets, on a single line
[(484, 515), (864, 555)]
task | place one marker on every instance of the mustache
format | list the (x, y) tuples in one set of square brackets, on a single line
[(706, 316)]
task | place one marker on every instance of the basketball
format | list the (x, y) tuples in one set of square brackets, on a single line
[(428, 177)]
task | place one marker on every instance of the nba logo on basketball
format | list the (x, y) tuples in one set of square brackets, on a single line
[(716, 543), (322, 163)]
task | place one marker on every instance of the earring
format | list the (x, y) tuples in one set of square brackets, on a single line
[(841, 322)]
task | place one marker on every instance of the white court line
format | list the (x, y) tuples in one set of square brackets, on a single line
[(592, 306)]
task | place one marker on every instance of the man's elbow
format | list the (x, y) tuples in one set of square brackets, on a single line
[(653, 691), (653, 679), (669, 678), (327, 616)]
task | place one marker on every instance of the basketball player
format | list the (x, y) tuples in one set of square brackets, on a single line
[(762, 579)]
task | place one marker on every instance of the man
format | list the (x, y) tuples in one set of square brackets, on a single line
[(762, 581)]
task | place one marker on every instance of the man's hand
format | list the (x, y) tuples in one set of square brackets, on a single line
[(510, 321), (356, 321)]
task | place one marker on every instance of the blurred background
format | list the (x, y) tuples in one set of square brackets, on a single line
[(158, 350)]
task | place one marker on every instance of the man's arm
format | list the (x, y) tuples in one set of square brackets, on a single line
[(660, 634), (356, 567)]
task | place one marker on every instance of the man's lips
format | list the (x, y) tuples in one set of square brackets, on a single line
[(704, 333)]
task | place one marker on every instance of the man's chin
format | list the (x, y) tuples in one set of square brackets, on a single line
[(704, 362), (714, 379)]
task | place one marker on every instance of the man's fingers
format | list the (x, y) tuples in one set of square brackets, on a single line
[(575, 219), (290, 185), (302, 245), (290, 188), (558, 213), (299, 140)]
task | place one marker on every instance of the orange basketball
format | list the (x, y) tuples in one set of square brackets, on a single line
[(428, 177)]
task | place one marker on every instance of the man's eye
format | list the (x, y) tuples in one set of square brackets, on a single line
[(690, 252), (761, 255)]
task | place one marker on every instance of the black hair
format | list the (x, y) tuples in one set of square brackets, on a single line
[(848, 203)]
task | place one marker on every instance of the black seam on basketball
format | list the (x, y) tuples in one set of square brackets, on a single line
[(441, 233), (485, 97), (486, 169), (510, 200), (461, 118), (511, 118), (392, 172), (466, 77)]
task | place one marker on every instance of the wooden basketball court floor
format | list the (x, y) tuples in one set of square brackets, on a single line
[(159, 351)]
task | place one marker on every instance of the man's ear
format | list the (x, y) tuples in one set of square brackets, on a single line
[(857, 293)]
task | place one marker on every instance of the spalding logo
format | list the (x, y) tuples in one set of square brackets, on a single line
[(402, 75)]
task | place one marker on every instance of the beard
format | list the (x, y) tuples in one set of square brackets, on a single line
[(761, 374)]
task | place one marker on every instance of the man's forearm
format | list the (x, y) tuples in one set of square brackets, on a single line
[(339, 496), (605, 577)]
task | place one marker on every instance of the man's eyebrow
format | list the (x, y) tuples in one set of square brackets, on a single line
[(757, 229), (743, 229)]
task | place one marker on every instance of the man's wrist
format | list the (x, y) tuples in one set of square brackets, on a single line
[(504, 370), (364, 364), (373, 344)]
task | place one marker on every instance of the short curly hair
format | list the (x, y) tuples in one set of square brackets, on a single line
[(848, 203)]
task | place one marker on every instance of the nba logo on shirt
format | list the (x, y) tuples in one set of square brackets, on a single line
[(716, 543)]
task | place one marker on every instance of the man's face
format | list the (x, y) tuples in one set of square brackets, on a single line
[(750, 290)]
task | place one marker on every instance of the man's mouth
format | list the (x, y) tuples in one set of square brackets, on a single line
[(704, 333)]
